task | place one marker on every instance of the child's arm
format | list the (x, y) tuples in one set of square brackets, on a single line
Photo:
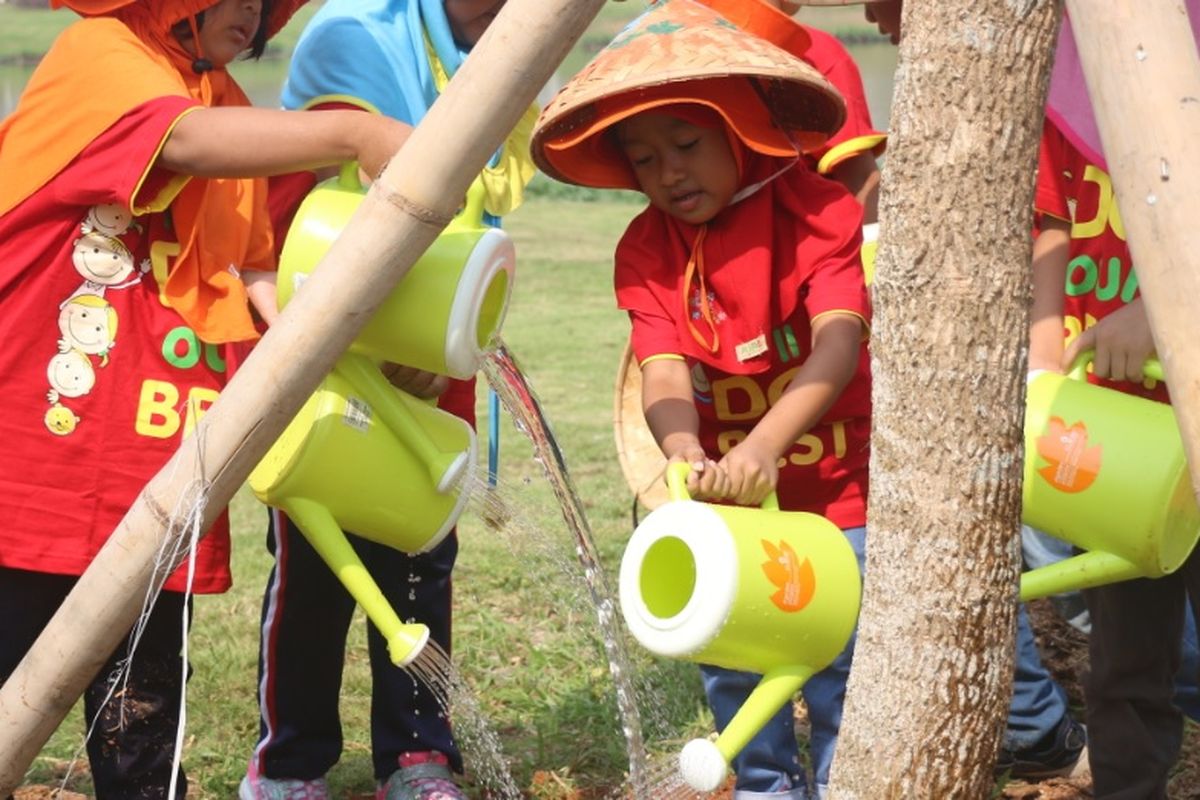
[(1050, 252), (752, 465), (258, 142), (260, 288), (860, 175), (672, 418)]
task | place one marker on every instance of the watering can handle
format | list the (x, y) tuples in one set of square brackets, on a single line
[(677, 475), (348, 177), (1078, 371), (469, 216)]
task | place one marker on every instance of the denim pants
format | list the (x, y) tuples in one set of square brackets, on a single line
[(1039, 704), (769, 766), (1041, 549)]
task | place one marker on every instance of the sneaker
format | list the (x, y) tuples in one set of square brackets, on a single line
[(256, 787), (1061, 754), (422, 776)]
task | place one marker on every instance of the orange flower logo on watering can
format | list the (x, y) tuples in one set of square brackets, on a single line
[(794, 577), (1073, 465)]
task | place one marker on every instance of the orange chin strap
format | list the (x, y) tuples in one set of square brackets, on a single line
[(695, 270)]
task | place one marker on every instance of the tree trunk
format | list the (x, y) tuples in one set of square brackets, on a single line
[(415, 197), (1140, 61), (933, 669)]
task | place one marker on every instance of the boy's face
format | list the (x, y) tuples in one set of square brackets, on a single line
[(470, 18), (228, 30), (886, 15), (684, 170)]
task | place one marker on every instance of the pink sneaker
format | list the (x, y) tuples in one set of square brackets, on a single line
[(258, 787), (422, 776)]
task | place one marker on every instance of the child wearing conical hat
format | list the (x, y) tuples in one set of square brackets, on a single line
[(133, 214), (744, 288)]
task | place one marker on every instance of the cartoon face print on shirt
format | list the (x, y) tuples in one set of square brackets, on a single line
[(61, 420), (88, 324), (102, 259), (107, 218), (70, 375)]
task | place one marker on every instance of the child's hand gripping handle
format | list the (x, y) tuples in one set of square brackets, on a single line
[(1078, 371), (677, 477)]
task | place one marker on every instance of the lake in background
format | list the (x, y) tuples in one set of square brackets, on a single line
[(262, 80)]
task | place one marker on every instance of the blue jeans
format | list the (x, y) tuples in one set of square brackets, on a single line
[(1038, 703), (769, 766), (1041, 549)]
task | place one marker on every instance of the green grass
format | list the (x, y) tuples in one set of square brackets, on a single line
[(525, 633)]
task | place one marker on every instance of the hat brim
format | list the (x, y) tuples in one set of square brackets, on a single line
[(685, 51), (585, 155)]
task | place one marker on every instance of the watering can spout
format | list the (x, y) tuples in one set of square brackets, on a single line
[(703, 763), (405, 641), (1093, 568)]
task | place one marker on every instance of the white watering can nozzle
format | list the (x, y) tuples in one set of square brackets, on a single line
[(453, 473), (702, 766)]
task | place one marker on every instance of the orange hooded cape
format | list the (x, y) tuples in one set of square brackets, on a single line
[(128, 46)]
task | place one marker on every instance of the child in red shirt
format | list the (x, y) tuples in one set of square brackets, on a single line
[(1135, 726), (744, 287), (132, 209)]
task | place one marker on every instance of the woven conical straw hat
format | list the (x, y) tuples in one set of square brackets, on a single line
[(667, 56), (642, 462)]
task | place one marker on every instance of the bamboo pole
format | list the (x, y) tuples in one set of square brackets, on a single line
[(1143, 76), (403, 212)]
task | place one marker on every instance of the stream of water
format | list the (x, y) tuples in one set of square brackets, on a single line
[(506, 378)]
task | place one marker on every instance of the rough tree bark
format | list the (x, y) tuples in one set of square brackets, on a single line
[(933, 669)]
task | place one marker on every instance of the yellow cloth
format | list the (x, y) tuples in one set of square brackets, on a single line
[(505, 181)]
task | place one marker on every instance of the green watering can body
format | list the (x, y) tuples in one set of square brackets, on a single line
[(365, 457), (755, 589), (361, 455), (445, 309), (1105, 471)]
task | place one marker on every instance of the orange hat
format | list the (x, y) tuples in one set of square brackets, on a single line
[(766, 22), (172, 12), (681, 51)]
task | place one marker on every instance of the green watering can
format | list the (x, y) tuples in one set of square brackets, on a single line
[(361, 455), (445, 309), (1105, 471), (756, 589)]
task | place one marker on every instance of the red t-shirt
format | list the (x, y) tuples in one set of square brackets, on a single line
[(102, 380), (825, 471), (828, 56), (1100, 274)]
